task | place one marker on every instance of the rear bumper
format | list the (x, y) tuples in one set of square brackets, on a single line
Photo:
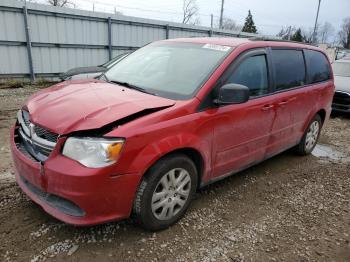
[(73, 193)]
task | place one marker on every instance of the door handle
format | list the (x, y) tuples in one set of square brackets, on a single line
[(283, 103), (266, 107)]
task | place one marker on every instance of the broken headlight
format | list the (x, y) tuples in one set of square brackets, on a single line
[(93, 152)]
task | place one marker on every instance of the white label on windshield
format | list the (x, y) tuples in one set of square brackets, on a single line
[(222, 48)]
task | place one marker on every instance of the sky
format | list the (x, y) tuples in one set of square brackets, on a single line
[(269, 15)]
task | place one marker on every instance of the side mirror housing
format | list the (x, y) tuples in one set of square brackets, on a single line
[(232, 94)]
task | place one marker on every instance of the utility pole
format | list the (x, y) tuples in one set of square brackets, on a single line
[(211, 21), (221, 13), (314, 34)]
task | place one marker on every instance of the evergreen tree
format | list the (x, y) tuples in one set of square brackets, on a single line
[(297, 36), (249, 25)]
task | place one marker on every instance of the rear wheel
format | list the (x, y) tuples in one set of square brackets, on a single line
[(310, 137), (165, 192)]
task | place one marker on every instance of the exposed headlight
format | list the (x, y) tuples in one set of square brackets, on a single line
[(93, 152)]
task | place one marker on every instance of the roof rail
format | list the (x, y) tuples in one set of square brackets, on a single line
[(276, 39)]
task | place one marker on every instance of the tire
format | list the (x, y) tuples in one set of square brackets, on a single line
[(306, 144), (158, 188)]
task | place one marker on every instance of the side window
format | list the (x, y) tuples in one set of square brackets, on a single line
[(289, 68), (318, 66), (252, 72)]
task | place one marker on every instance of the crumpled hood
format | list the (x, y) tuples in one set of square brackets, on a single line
[(82, 105), (342, 83)]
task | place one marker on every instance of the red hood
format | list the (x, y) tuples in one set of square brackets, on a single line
[(82, 105)]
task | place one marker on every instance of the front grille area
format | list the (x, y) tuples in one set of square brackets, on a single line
[(342, 98), (26, 119), (64, 205), (20, 146), (45, 134), (33, 141)]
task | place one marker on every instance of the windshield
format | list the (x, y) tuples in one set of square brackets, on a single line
[(169, 69), (341, 69)]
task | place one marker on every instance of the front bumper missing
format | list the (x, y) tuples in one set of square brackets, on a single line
[(63, 205)]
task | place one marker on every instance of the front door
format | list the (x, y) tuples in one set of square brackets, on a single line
[(241, 131)]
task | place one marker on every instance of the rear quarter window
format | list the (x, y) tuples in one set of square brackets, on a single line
[(318, 66), (289, 68)]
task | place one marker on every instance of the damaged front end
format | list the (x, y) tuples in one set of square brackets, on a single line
[(32, 140), (70, 175), (37, 142)]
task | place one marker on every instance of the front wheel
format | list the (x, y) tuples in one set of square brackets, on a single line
[(310, 137), (165, 192)]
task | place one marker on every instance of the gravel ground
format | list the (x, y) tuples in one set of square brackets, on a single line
[(288, 208)]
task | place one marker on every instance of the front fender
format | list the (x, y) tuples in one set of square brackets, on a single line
[(159, 148)]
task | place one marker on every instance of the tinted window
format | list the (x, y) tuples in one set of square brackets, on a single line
[(289, 68), (252, 72), (318, 66)]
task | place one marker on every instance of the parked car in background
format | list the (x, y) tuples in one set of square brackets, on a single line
[(342, 53), (91, 71), (166, 120), (341, 100)]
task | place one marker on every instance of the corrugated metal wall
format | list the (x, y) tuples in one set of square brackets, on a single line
[(62, 38)]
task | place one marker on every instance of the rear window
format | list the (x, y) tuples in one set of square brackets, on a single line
[(318, 66), (289, 68)]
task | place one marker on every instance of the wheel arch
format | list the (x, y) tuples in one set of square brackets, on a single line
[(192, 154), (322, 113)]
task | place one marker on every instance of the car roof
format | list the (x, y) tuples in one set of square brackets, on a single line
[(228, 41), (236, 41)]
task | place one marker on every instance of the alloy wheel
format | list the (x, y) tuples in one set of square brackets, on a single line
[(312, 135), (171, 194)]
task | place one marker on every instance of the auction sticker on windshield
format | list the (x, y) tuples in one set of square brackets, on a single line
[(222, 48)]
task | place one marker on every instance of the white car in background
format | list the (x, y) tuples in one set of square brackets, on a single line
[(341, 100), (91, 71)]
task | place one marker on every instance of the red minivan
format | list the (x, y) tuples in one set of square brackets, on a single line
[(168, 119)]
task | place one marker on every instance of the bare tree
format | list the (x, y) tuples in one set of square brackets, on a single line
[(30, 1), (196, 21), (190, 10), (286, 32), (60, 3), (324, 32), (307, 34), (344, 33), (230, 24)]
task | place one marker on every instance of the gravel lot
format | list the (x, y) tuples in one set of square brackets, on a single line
[(289, 208)]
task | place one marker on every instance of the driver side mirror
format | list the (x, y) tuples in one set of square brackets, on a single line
[(232, 94)]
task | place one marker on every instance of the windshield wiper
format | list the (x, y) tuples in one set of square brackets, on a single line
[(128, 85), (103, 76)]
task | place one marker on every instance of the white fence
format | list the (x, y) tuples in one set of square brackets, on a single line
[(42, 41)]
